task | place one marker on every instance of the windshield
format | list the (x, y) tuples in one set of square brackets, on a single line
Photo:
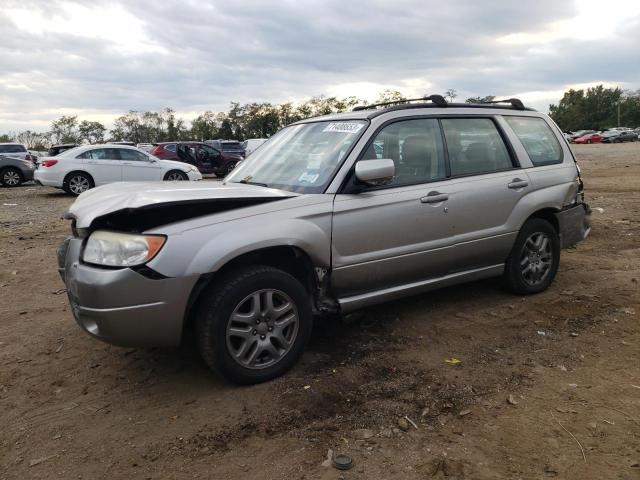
[(300, 158)]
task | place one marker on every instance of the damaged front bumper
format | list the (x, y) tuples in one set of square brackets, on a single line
[(122, 306), (574, 223)]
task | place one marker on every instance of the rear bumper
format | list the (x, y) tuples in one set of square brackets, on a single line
[(574, 223), (121, 306), (42, 178)]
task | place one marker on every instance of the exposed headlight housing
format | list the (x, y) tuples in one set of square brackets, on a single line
[(113, 249)]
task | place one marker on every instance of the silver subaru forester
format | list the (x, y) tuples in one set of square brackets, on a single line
[(331, 215)]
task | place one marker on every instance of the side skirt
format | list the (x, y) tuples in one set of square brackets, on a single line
[(355, 302)]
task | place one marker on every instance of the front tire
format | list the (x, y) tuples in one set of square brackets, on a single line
[(11, 177), (533, 262), (229, 167), (175, 175), (253, 324)]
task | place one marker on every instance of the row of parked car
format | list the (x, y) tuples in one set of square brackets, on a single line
[(612, 135), (77, 168)]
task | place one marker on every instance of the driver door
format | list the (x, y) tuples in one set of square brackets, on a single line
[(401, 232), (103, 164), (138, 167)]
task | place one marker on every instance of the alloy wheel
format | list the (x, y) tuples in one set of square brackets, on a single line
[(536, 258), (79, 184), (230, 166), (262, 329), (11, 178), (175, 176)]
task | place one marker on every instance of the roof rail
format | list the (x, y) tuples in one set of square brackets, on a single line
[(515, 103), (436, 99)]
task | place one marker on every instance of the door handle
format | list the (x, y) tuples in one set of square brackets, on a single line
[(434, 197), (517, 183)]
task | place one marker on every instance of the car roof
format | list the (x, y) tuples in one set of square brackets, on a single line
[(423, 108), (84, 148)]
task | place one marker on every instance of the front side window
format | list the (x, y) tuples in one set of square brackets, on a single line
[(538, 139), (205, 152), (300, 158), (132, 155), (475, 146), (415, 146)]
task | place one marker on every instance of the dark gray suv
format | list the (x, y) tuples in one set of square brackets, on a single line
[(330, 215)]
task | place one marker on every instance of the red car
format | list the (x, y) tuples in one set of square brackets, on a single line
[(206, 158), (589, 138)]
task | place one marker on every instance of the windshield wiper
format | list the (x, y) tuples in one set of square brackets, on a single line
[(248, 182)]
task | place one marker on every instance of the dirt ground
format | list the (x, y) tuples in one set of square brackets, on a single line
[(548, 385)]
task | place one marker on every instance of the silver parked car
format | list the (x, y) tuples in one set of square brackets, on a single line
[(332, 214)]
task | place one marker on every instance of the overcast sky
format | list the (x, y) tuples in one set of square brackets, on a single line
[(98, 59)]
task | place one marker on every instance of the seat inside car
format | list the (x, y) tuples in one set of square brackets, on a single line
[(416, 159)]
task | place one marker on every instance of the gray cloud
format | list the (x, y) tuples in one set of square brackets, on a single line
[(202, 55)]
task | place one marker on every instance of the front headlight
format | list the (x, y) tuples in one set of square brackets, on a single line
[(114, 249)]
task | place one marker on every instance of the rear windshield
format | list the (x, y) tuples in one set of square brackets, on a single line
[(12, 149)]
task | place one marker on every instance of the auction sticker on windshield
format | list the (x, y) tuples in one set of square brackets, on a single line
[(344, 127)]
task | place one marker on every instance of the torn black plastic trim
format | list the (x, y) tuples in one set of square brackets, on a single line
[(138, 220), (148, 272)]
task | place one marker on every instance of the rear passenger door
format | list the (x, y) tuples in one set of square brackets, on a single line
[(486, 184), (103, 164)]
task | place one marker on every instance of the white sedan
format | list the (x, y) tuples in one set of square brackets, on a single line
[(81, 168)]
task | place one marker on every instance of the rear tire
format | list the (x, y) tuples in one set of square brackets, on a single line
[(77, 182), (11, 177), (533, 262), (253, 324)]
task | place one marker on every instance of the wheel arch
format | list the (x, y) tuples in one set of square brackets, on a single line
[(288, 258), (548, 214), (11, 167), (84, 172)]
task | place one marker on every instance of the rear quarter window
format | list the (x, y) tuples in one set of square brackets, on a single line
[(537, 138)]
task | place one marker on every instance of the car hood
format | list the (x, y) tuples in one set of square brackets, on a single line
[(128, 196)]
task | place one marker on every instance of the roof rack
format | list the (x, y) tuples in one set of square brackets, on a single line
[(436, 99), (515, 103)]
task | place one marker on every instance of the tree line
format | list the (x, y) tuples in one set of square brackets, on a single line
[(596, 108)]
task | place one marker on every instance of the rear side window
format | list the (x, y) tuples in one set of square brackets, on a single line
[(475, 146), (101, 154), (538, 139), (12, 149), (171, 147), (415, 146)]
